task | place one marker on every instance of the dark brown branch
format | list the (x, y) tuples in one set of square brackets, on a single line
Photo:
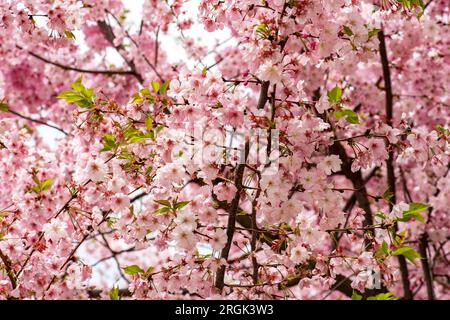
[(263, 95), (156, 47), (9, 269), (97, 293), (427, 5), (114, 256), (137, 46), (81, 70), (358, 184), (138, 196), (390, 161), (61, 210), (423, 248), (69, 258), (255, 234), (355, 177), (349, 206), (238, 177), (109, 35), (38, 121)]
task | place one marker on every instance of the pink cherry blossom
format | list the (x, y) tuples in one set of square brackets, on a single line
[(295, 150)]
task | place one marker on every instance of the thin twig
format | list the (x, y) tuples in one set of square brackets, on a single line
[(38, 121), (81, 70)]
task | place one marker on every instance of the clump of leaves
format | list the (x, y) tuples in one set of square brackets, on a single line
[(80, 95), (41, 185)]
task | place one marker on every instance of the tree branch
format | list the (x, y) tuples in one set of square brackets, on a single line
[(390, 161), (423, 248), (263, 95), (69, 68), (109, 35), (38, 121), (137, 46), (9, 269), (238, 177)]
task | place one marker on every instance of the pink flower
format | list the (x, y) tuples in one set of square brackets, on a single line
[(218, 239), (299, 254), (225, 191), (330, 164), (364, 260), (119, 202), (55, 230), (360, 281), (186, 219), (269, 71), (233, 117), (184, 237), (323, 104), (96, 170)]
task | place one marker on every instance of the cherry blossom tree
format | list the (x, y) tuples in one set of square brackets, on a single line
[(304, 157)]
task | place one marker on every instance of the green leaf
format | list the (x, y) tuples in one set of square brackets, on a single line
[(356, 296), (149, 123), (82, 96), (387, 195), (334, 96), (380, 215), (4, 107), (133, 135), (78, 85), (262, 29), (155, 86), (165, 86), (46, 184), (414, 212), (407, 252), (162, 210), (374, 32), (382, 251), (158, 130), (41, 185), (350, 115), (36, 189), (109, 142), (385, 247), (114, 293), (383, 296), (416, 207), (136, 98), (410, 216), (445, 131), (165, 203), (36, 180), (69, 34), (125, 154), (348, 31), (180, 205), (149, 270), (132, 270)]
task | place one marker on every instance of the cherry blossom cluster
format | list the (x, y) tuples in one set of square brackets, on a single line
[(304, 157)]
